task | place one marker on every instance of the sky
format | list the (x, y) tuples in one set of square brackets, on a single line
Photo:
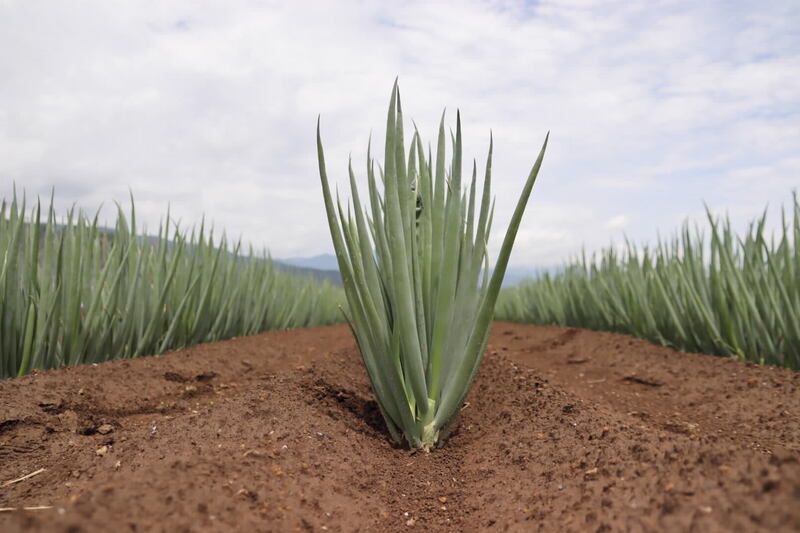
[(210, 108)]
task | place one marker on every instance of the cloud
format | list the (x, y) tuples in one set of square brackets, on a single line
[(211, 108), (617, 223)]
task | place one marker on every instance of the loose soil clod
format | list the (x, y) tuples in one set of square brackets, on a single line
[(281, 433)]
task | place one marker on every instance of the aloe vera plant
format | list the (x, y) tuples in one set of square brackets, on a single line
[(72, 292), (415, 268), (718, 291)]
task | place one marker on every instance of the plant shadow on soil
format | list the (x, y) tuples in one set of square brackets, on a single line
[(564, 430)]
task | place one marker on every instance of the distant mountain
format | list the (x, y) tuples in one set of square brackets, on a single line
[(322, 274), (515, 275), (326, 265), (318, 262)]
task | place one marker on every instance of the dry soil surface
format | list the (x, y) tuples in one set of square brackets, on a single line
[(564, 430)]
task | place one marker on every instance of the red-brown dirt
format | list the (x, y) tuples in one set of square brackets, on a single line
[(565, 430)]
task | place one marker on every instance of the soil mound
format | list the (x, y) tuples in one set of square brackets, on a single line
[(565, 430)]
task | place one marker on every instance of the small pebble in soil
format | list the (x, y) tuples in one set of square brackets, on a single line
[(101, 451), (105, 429)]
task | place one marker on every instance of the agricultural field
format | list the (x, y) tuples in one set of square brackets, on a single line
[(131, 409), (73, 293), (711, 291), (565, 430), (247, 284)]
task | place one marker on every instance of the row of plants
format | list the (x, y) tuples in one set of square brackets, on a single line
[(72, 292), (712, 291)]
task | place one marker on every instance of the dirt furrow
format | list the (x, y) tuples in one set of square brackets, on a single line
[(565, 430)]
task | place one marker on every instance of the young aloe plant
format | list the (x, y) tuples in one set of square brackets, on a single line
[(416, 274)]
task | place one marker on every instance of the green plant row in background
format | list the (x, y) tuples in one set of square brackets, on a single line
[(718, 292), (72, 292)]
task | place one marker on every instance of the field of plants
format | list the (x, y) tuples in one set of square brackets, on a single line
[(423, 414), (712, 292), (72, 292)]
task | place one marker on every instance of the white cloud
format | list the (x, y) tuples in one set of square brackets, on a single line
[(617, 223), (653, 107)]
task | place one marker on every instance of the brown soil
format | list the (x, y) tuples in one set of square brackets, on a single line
[(565, 430)]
